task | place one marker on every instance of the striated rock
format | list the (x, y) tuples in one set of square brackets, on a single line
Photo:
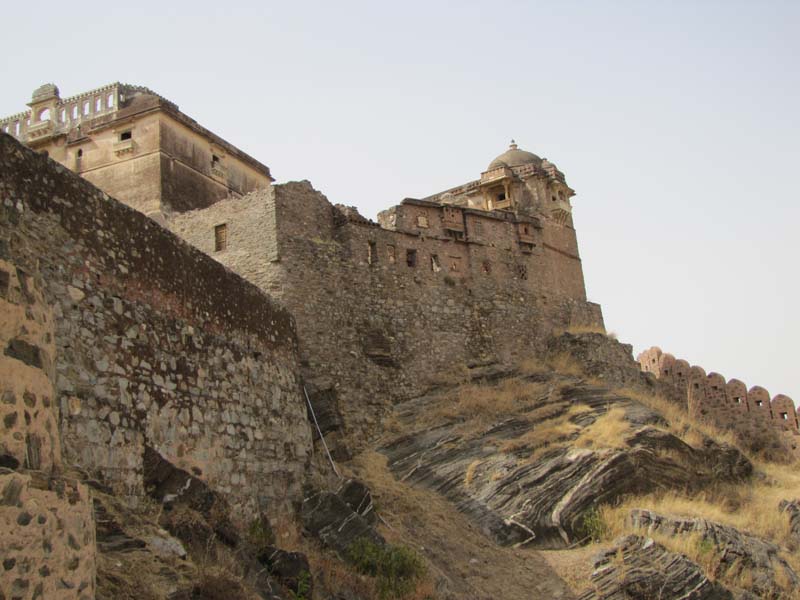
[(638, 568), (738, 555), (327, 517), (547, 501), (290, 569), (358, 497)]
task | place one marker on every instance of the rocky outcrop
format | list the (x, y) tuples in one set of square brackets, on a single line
[(638, 568), (737, 556), (546, 500), (328, 517)]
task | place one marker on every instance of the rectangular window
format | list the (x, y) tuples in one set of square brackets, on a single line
[(435, 266), (411, 258), (220, 237), (390, 253), (422, 221), (455, 263), (125, 135), (785, 416), (372, 253)]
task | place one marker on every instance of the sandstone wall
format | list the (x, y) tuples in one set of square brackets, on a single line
[(155, 343), (381, 313), (47, 542), (729, 404)]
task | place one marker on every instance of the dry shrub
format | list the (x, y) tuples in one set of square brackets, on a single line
[(470, 474), (680, 422), (216, 584), (608, 431), (749, 507), (565, 364), (483, 403)]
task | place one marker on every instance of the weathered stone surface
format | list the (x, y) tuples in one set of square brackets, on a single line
[(327, 517), (637, 568), (177, 489), (48, 538), (152, 343), (290, 569), (358, 497), (545, 502), (740, 554)]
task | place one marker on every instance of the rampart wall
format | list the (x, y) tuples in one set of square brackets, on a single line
[(728, 403), (384, 313), (48, 542), (153, 344)]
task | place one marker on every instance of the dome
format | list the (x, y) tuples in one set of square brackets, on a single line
[(514, 157)]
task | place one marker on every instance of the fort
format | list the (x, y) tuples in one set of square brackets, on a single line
[(173, 299)]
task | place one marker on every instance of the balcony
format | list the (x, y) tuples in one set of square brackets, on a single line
[(495, 174), (40, 130), (124, 147)]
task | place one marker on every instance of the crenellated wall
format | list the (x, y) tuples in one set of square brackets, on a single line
[(728, 403), (152, 343)]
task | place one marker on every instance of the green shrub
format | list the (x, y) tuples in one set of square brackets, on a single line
[(592, 526), (303, 587), (396, 568), (260, 534)]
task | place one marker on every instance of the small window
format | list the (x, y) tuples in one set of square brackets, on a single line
[(553, 198), (785, 416), (125, 135), (422, 221), (666, 371), (697, 386), (455, 264), (214, 160), (759, 403), (220, 237), (80, 153), (390, 253), (435, 266), (372, 253), (411, 258), (738, 400), (487, 267), (501, 196)]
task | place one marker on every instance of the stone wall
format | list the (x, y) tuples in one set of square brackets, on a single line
[(48, 538), (47, 543), (729, 404), (155, 343), (385, 313)]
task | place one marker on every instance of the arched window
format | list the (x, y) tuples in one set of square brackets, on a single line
[(44, 115)]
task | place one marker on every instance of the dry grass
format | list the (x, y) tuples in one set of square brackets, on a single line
[(482, 403), (565, 364), (579, 329), (681, 424), (750, 508), (470, 474), (608, 431)]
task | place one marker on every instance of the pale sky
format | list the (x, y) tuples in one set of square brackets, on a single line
[(676, 123)]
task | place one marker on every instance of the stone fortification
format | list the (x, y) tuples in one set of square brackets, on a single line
[(153, 344), (46, 519), (727, 403), (386, 310)]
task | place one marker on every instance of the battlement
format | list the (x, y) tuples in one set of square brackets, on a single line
[(728, 403)]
